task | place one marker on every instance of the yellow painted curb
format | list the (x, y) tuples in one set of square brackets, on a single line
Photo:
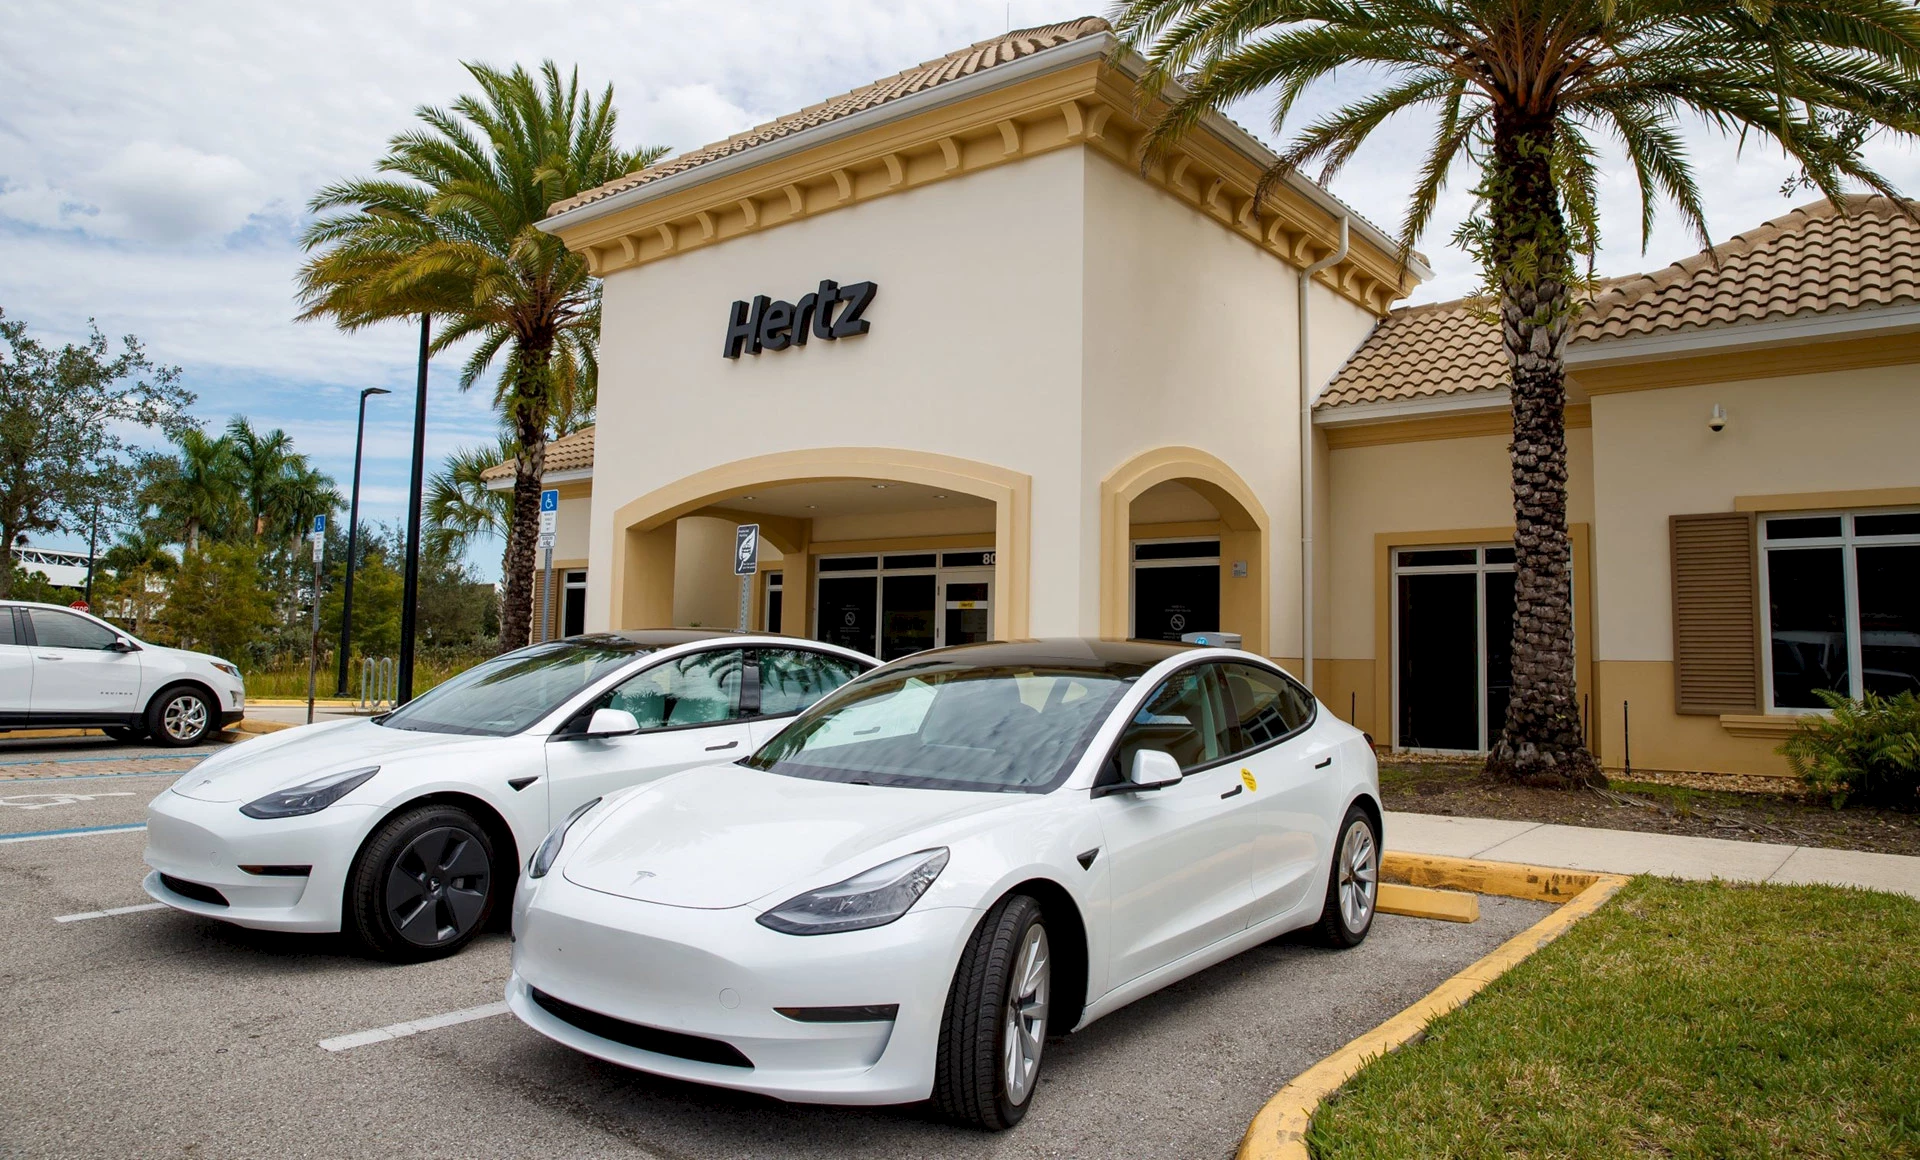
[(1279, 1131), (254, 726), (48, 734), (1422, 902)]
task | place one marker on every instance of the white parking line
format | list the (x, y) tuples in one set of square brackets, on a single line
[(86, 914), (411, 1027)]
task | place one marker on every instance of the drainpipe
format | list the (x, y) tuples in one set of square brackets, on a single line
[(1307, 396)]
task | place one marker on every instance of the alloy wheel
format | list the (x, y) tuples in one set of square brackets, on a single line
[(437, 888), (185, 717), (1026, 1023), (1359, 876)]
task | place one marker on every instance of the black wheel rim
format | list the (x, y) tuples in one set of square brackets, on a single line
[(438, 886)]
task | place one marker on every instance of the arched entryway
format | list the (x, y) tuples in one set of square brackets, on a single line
[(1163, 512), (792, 495)]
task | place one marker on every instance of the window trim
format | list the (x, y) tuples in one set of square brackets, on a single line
[(1849, 542)]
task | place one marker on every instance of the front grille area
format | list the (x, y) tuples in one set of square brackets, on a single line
[(674, 1043), (193, 890)]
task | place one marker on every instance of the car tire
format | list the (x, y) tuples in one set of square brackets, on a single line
[(996, 1019), (125, 732), (1353, 882), (423, 885), (181, 716)]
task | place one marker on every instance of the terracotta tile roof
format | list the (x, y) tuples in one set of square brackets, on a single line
[(1809, 261), (974, 58), (567, 453), (1442, 348)]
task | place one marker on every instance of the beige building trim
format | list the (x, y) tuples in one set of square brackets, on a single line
[(643, 529), (1808, 501), (1244, 604), (1724, 367), (1381, 712), (1638, 696), (1091, 105), (1442, 426)]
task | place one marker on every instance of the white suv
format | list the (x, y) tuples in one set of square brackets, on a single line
[(60, 667)]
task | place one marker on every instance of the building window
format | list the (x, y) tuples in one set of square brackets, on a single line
[(776, 589), (573, 606), (1842, 594), (1176, 588), (897, 603), (1452, 646)]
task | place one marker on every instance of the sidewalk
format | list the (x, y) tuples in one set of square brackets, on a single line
[(1626, 852)]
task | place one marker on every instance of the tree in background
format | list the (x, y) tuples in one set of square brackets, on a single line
[(216, 604), (136, 570), (62, 414), (197, 491), (449, 230), (1522, 89), (460, 508)]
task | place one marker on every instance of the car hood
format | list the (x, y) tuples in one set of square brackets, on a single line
[(722, 836), (291, 756)]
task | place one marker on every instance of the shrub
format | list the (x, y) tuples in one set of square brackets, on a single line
[(1867, 752)]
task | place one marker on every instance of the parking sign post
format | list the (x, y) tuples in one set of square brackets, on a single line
[(746, 562), (319, 538), (549, 525)]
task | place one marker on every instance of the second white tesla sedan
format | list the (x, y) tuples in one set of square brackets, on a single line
[(405, 830), (942, 863)]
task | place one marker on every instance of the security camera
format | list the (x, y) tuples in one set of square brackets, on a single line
[(1717, 422)]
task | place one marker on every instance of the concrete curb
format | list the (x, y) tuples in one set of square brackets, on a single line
[(1279, 1130), (255, 727), (49, 734)]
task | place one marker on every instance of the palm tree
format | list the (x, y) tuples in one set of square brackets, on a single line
[(198, 491), (460, 508), (263, 463), (1522, 89), (452, 232)]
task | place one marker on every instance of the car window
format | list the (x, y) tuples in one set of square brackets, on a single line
[(1184, 717), (791, 678), (6, 626), (697, 689), (508, 693), (1265, 705), (52, 629)]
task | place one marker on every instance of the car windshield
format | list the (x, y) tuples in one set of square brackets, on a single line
[(508, 693), (942, 724)]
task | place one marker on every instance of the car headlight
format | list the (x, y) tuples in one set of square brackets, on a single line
[(227, 669), (309, 797), (549, 851), (874, 897)]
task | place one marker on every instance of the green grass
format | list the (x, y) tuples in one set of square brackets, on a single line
[(1685, 1019), (263, 684)]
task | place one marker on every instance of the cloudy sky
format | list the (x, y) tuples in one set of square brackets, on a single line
[(156, 161)]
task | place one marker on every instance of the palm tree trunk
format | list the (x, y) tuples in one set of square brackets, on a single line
[(1542, 741), (529, 409)]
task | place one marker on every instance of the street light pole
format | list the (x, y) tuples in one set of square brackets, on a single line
[(353, 535), (410, 590)]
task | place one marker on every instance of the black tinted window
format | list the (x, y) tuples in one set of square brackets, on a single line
[(64, 630), (6, 626), (1264, 705), (1184, 717), (791, 678)]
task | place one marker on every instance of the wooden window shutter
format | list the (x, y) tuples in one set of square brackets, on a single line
[(1716, 615)]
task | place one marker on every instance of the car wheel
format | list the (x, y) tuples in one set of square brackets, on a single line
[(1353, 886), (423, 885), (995, 1026), (125, 732), (180, 716)]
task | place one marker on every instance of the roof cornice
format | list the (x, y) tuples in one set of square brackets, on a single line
[(1743, 336)]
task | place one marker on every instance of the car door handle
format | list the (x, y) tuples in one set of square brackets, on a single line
[(728, 745), (1236, 789), (45, 657), (1324, 764)]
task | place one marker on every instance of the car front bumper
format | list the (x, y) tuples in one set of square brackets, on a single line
[(204, 844), (719, 976)]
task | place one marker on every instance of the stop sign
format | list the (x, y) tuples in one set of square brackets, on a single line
[(78, 606)]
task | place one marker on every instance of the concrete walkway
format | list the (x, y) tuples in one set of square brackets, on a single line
[(1629, 852)]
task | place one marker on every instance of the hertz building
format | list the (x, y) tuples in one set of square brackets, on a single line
[(976, 376)]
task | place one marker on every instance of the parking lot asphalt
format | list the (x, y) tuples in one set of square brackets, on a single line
[(154, 1033)]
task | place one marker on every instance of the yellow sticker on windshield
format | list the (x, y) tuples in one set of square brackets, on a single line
[(1246, 779)]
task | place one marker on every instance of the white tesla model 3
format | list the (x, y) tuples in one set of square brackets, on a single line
[(943, 862), (406, 829)]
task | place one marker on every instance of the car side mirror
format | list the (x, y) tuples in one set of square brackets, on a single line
[(612, 723), (1153, 769), (123, 645)]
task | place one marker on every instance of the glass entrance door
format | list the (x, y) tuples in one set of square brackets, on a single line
[(1452, 646), (1176, 588), (966, 607), (906, 615), (846, 608)]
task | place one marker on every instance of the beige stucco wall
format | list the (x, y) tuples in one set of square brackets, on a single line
[(570, 532), (705, 592), (1190, 342), (973, 353)]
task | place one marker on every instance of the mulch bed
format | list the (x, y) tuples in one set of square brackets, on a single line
[(1461, 789)]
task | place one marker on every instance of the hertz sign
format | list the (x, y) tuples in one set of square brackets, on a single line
[(831, 312)]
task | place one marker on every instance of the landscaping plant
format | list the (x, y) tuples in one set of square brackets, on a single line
[(1866, 752)]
